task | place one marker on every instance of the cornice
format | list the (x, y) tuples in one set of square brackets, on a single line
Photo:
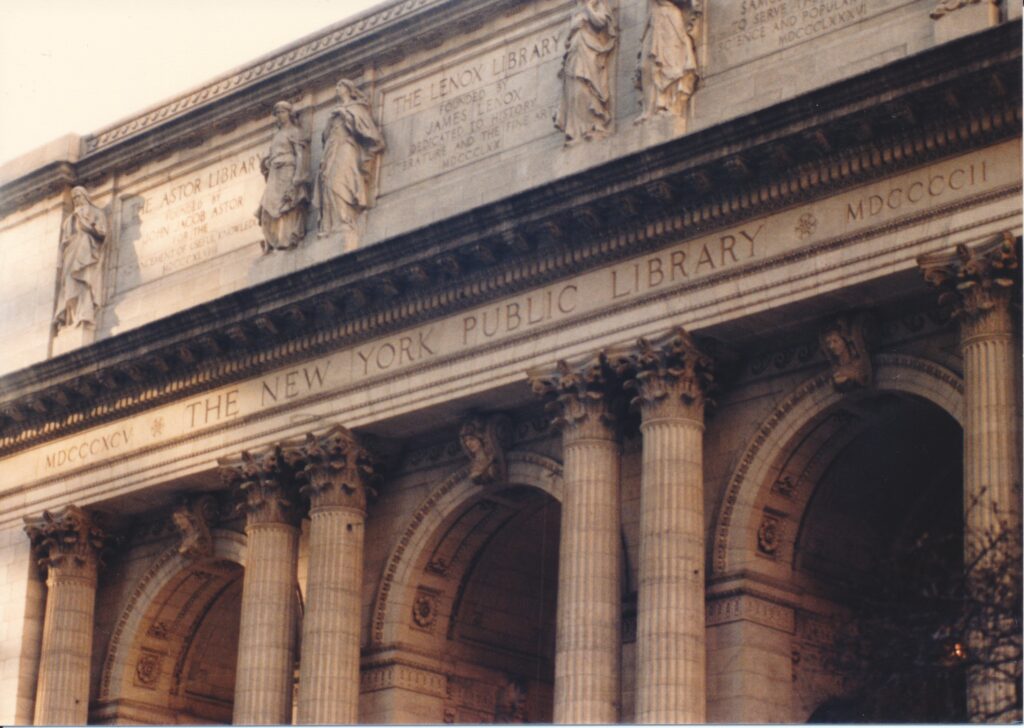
[(909, 113)]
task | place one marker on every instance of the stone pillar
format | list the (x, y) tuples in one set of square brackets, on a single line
[(335, 471), (979, 283), (266, 640), (588, 643), (671, 381), (69, 543)]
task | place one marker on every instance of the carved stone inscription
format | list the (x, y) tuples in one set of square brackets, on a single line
[(743, 30), (592, 293), (191, 219), (473, 108)]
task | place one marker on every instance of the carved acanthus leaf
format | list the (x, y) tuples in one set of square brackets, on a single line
[(266, 485), (974, 279), (580, 396), (671, 368), (334, 468), (66, 539)]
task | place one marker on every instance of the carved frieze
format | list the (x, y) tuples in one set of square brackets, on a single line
[(79, 286), (844, 343), (484, 441), (667, 72), (347, 179), (334, 469), (194, 517), (68, 540), (285, 167), (585, 111), (266, 486)]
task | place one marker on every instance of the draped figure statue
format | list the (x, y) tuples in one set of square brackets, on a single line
[(586, 108), (81, 250), (352, 146), (667, 73), (282, 210)]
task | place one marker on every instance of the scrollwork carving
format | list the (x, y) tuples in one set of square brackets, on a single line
[(484, 441)]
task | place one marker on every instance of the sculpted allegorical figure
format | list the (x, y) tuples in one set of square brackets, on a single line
[(844, 344), (484, 442), (81, 251), (352, 146), (282, 210), (667, 76), (585, 111)]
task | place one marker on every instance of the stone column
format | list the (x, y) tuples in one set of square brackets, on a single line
[(588, 643), (266, 640), (671, 381), (336, 471), (979, 282), (69, 543)]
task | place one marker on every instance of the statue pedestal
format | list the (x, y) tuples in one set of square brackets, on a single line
[(70, 338)]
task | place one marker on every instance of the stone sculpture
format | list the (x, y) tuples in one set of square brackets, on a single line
[(667, 73), (585, 110), (81, 251), (282, 210), (193, 518), (843, 343), (352, 147), (484, 442)]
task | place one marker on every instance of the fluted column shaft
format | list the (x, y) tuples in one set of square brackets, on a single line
[(671, 381), (991, 488), (336, 469), (329, 674), (69, 544), (266, 636), (670, 605), (979, 281), (588, 644)]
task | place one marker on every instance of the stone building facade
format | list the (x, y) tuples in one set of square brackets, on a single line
[(504, 361)]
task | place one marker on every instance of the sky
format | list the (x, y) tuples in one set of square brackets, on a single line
[(76, 66)]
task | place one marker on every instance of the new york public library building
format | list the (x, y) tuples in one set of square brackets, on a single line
[(504, 361)]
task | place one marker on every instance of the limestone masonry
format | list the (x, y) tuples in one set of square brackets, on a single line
[(490, 361)]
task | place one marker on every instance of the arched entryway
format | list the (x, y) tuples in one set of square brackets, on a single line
[(171, 658), (464, 623), (833, 489)]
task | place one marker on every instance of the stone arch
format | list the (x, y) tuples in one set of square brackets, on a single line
[(228, 546), (740, 515), (394, 595)]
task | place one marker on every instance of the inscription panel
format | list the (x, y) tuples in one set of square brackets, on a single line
[(743, 30), (190, 219), (473, 107), (594, 292)]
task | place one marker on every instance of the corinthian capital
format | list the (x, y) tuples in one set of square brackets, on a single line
[(668, 373), (584, 398), (974, 280), (266, 484), (334, 469), (67, 540)]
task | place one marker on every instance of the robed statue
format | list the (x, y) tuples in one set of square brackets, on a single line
[(282, 210), (667, 73), (81, 252), (352, 147), (585, 111)]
